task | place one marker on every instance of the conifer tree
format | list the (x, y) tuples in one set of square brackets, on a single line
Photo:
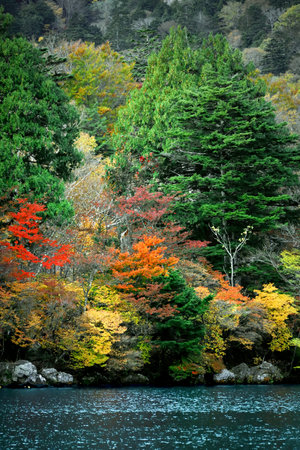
[(38, 127), (213, 138)]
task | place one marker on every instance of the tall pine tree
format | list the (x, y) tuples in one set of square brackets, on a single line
[(38, 127), (214, 139)]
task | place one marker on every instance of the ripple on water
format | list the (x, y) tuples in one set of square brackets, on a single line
[(222, 417)]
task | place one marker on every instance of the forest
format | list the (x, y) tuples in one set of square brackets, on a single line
[(149, 187)]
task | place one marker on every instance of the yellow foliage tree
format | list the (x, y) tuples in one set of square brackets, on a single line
[(90, 343), (99, 76), (85, 143), (278, 308), (214, 342)]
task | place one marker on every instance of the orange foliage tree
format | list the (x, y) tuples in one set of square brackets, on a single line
[(137, 271)]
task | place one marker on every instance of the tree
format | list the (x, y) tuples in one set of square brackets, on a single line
[(146, 262), (33, 19), (162, 297), (150, 213), (46, 313), (213, 138), (178, 338), (38, 127), (100, 81), (232, 251), (230, 14), (283, 45), (142, 125), (27, 246), (278, 308), (283, 92)]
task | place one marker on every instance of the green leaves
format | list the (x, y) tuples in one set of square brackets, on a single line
[(214, 138), (38, 126)]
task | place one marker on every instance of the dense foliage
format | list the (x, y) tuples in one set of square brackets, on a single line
[(212, 137), (180, 253), (38, 127)]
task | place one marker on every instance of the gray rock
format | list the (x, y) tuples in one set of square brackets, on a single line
[(23, 371), (36, 380), (20, 373), (241, 372), (50, 375), (57, 378), (135, 378), (264, 373), (224, 377), (64, 378)]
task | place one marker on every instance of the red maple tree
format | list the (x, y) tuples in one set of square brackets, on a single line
[(24, 246)]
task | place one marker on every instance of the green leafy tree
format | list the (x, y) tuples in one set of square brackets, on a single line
[(5, 21), (99, 83), (38, 127), (33, 19), (283, 45), (214, 139), (179, 338)]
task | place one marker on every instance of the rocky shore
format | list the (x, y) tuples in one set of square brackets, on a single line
[(23, 373), (264, 373)]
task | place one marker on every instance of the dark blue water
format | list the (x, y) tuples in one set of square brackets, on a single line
[(221, 417)]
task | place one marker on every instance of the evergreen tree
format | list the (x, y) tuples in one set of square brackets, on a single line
[(179, 338), (214, 139), (38, 128), (282, 48)]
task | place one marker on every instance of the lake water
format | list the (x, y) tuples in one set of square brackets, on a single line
[(219, 417)]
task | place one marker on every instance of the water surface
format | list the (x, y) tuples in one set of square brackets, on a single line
[(220, 417)]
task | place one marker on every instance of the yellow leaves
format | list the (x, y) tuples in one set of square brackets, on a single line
[(278, 308), (90, 342), (48, 312), (214, 343), (58, 11), (85, 350), (110, 297), (291, 261), (100, 75), (202, 291), (104, 321), (274, 301), (35, 311), (283, 92), (103, 110)]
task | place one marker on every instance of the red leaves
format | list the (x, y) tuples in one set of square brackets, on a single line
[(25, 241), (149, 213), (196, 244)]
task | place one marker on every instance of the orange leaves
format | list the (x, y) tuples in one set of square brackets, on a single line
[(146, 261), (136, 272), (231, 294)]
